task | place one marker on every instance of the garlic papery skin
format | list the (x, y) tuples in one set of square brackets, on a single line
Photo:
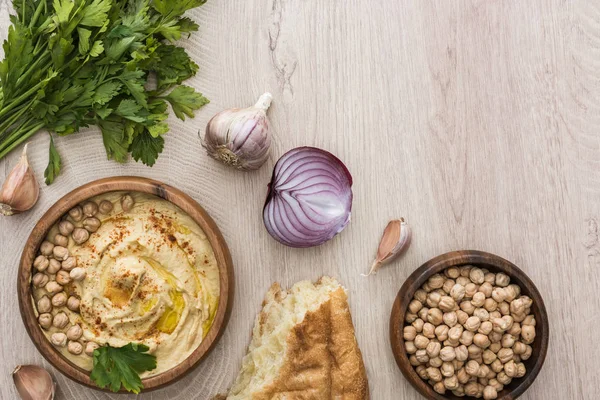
[(240, 138), (20, 191), (33, 383), (395, 239)]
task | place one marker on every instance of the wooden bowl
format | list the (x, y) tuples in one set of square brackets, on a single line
[(494, 264), (133, 184)]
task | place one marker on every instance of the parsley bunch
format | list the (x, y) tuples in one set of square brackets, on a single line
[(76, 63), (116, 366)]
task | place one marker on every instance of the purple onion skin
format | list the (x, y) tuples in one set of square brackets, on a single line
[(309, 198)]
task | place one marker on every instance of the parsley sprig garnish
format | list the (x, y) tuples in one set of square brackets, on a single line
[(116, 366), (75, 63)]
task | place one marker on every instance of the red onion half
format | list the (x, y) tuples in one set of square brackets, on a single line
[(309, 199)]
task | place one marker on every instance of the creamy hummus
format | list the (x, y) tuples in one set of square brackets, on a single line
[(151, 278)]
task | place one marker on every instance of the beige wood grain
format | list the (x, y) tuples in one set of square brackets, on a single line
[(478, 121)]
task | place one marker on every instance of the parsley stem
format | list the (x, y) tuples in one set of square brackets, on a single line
[(21, 98), (8, 122), (19, 137), (38, 11), (33, 68)]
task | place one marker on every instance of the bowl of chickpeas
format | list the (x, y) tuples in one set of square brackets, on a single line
[(469, 324)]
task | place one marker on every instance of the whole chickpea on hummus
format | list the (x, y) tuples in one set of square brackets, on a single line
[(126, 267)]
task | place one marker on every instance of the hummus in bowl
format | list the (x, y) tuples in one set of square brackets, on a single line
[(128, 267)]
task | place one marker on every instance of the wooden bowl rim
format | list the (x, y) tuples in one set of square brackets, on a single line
[(132, 184), (458, 258)]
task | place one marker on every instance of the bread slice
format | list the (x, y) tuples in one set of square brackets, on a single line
[(303, 347)]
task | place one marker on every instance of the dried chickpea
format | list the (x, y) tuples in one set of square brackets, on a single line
[(471, 289), (447, 304), (489, 356), (495, 314), (495, 347), (478, 299), (433, 299), (447, 353), (490, 278), (410, 333), (476, 275), (520, 317), (503, 308), (423, 313), (435, 316), (421, 342), (482, 341), (448, 284), (474, 350), (418, 324), (527, 334), (510, 293), (450, 318), (465, 269), (457, 292), (502, 279), (428, 331), (410, 317), (421, 296), (485, 328), (434, 374), (482, 314), (462, 353), (490, 304), (467, 307), (462, 316), (413, 361), (505, 355), (503, 378), (484, 370), (459, 392), (521, 370), (410, 347), (452, 272), (495, 337), (414, 306), (451, 383), (497, 366), (508, 340), (435, 362), (500, 325), (463, 281), (463, 376), (472, 368), (436, 281), (498, 294), (466, 338), (525, 356), (457, 364), (472, 389), (426, 287), (472, 324), (529, 320), (455, 332), (439, 388), (433, 349), (490, 393), (447, 369), (422, 372), (510, 369), (421, 356), (497, 385), (486, 288), (441, 332), (519, 348)]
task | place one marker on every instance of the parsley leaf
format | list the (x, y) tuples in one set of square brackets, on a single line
[(146, 148), (115, 140), (95, 14), (105, 92), (185, 100), (120, 366), (54, 163)]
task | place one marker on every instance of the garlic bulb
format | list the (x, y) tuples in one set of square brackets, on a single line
[(33, 383), (20, 191), (240, 138)]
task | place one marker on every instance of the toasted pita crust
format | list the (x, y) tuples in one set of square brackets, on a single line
[(321, 360)]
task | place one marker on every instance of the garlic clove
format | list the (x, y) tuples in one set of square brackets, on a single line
[(33, 383), (240, 138), (395, 239), (20, 191)]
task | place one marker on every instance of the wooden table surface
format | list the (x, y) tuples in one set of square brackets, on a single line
[(477, 121)]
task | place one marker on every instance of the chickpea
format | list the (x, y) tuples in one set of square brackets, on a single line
[(472, 324), (92, 224), (463, 281), (75, 348), (40, 280), (53, 287), (41, 263), (486, 288), (435, 316), (490, 304), (503, 308), (436, 281), (441, 332), (44, 305), (495, 314), (466, 338), (455, 332), (59, 299), (413, 361), (462, 353), (127, 203), (63, 278), (76, 214), (450, 318), (529, 320), (452, 272), (433, 349), (463, 376), (495, 347), (482, 314), (527, 354), (447, 369), (471, 289), (489, 356), (434, 374), (472, 368), (421, 370), (451, 382), (61, 240), (495, 337), (462, 316), (73, 304), (433, 299), (446, 303), (418, 324), (45, 320), (436, 362), (60, 253), (74, 332), (478, 299), (46, 248), (502, 279), (476, 275), (503, 378), (54, 266), (421, 296), (65, 227), (505, 355), (508, 340), (410, 347), (510, 369), (484, 370), (490, 393), (90, 208), (457, 292), (58, 339), (426, 287), (423, 313), (448, 285), (409, 333), (485, 328), (60, 320), (80, 235), (428, 331), (474, 350), (497, 366), (414, 306), (439, 388), (527, 333), (410, 317), (465, 269), (422, 356), (421, 342), (447, 353), (521, 370), (105, 207), (482, 341), (500, 325), (459, 392), (467, 307)]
